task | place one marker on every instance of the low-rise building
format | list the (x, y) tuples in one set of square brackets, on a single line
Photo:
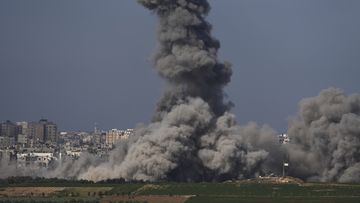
[(22, 139), (74, 154), (34, 160)]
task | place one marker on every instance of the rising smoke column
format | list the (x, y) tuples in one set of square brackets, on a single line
[(192, 135), (326, 137)]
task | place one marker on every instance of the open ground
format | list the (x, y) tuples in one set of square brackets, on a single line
[(168, 192)]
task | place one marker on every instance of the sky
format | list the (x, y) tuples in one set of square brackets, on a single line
[(83, 62)]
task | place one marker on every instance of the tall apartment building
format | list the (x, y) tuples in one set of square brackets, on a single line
[(22, 135), (42, 131), (8, 129), (36, 131), (50, 132), (23, 132), (23, 127), (113, 135)]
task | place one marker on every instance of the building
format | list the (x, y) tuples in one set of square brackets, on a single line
[(114, 135), (8, 129), (128, 132), (8, 132), (42, 131), (22, 134), (50, 132), (36, 131), (23, 127), (22, 139), (6, 142), (35, 160), (74, 153)]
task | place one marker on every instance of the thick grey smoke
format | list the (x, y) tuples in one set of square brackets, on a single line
[(8, 169), (189, 143), (192, 136), (326, 137)]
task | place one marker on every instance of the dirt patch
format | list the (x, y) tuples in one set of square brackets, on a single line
[(29, 191), (274, 180), (147, 198), (324, 190), (147, 187)]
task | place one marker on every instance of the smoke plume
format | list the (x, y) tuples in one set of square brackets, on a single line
[(192, 135), (325, 137)]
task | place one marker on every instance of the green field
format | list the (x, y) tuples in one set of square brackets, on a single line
[(271, 200), (237, 192), (259, 190), (231, 192)]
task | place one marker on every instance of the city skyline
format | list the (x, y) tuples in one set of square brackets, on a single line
[(81, 63)]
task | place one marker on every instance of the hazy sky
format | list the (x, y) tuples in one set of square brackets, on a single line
[(77, 62)]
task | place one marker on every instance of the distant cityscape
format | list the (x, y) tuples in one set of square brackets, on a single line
[(38, 144)]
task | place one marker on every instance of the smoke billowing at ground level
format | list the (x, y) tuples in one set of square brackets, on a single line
[(325, 137), (194, 137)]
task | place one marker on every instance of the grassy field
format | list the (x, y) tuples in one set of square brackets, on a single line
[(259, 193), (230, 192), (259, 190), (271, 200), (47, 200)]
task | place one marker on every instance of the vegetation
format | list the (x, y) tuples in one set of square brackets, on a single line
[(259, 190), (207, 199), (57, 182), (126, 189), (47, 200), (87, 191), (40, 181)]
